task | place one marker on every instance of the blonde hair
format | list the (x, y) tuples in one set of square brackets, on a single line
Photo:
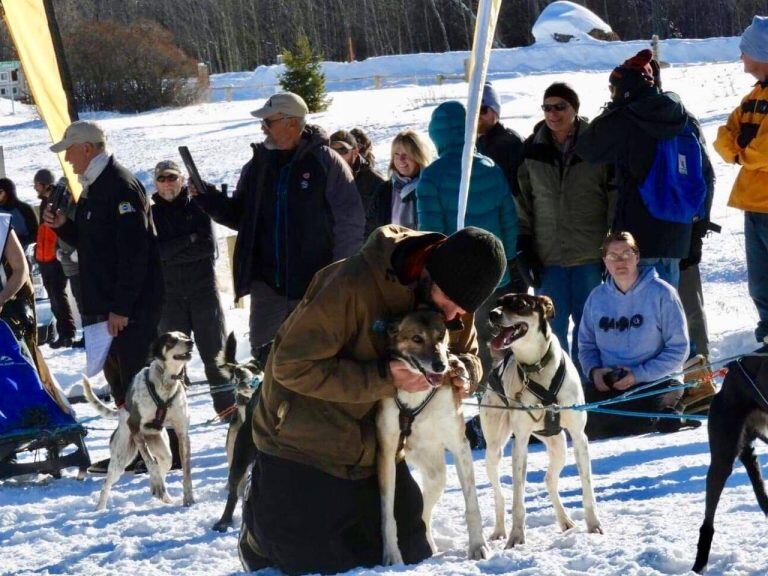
[(415, 145), (620, 236)]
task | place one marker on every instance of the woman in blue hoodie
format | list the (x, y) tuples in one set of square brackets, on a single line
[(633, 331), (490, 204)]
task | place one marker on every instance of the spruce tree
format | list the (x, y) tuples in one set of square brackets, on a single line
[(303, 76)]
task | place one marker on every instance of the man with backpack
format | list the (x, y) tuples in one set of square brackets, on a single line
[(662, 169), (744, 141)]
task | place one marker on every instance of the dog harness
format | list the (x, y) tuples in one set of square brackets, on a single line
[(408, 415), (161, 407), (547, 396)]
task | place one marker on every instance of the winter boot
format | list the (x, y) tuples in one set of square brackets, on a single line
[(696, 400)]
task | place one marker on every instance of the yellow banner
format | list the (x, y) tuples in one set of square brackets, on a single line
[(28, 25)]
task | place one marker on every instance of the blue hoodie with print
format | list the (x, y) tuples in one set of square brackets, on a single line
[(644, 330)]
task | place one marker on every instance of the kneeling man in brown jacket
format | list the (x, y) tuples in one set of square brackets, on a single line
[(313, 500)]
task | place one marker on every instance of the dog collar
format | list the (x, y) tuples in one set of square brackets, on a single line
[(548, 396), (538, 366)]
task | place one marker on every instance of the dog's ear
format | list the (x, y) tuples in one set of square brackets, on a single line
[(159, 346), (230, 349), (547, 307), (393, 328)]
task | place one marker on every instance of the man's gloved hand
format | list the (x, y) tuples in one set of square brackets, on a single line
[(528, 262), (698, 232), (209, 189)]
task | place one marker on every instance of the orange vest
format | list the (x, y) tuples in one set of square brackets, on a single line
[(45, 249)]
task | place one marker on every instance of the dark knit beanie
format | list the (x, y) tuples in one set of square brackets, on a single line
[(468, 266), (562, 90), (44, 177), (631, 77)]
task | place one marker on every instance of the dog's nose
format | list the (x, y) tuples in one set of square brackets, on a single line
[(495, 315), (438, 366)]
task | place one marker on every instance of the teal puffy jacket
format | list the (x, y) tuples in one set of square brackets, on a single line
[(490, 204)]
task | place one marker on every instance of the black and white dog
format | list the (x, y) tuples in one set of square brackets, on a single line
[(155, 399), (738, 416), (538, 373)]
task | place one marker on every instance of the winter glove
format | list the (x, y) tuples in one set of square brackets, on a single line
[(528, 262), (700, 228)]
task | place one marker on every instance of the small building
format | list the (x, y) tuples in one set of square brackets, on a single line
[(12, 84)]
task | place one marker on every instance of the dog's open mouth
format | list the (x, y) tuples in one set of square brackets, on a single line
[(434, 378), (509, 335)]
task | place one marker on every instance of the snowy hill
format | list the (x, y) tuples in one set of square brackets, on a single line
[(650, 490)]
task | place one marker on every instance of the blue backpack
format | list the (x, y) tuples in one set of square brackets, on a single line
[(674, 189)]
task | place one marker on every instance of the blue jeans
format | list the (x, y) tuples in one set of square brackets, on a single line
[(756, 241), (569, 288), (668, 269)]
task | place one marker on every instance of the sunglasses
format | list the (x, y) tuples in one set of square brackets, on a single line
[(616, 256), (167, 178), (341, 151), (269, 123), (559, 107)]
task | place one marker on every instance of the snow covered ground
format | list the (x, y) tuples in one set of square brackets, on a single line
[(649, 489)]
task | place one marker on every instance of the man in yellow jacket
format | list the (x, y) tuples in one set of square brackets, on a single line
[(313, 504), (744, 140)]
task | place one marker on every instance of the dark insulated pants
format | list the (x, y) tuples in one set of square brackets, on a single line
[(302, 520), (202, 318), (55, 283), (127, 355), (610, 425)]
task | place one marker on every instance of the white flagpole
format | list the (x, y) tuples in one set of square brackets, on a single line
[(485, 25)]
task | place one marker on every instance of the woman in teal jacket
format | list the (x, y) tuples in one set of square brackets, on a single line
[(489, 206)]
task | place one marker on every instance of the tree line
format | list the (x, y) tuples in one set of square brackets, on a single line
[(233, 35)]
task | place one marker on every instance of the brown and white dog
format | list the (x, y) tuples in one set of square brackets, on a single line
[(241, 450), (521, 322), (156, 398), (433, 423)]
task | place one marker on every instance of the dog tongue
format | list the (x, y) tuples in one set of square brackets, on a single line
[(434, 379), (498, 341)]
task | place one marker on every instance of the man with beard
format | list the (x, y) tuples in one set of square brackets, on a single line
[(296, 209)]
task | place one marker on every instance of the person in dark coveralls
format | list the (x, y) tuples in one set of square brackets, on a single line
[(313, 503), (296, 209), (117, 252), (187, 247)]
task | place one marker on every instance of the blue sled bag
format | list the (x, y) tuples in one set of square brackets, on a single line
[(674, 189)]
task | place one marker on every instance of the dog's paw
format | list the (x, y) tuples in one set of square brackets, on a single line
[(188, 500), (392, 557), (221, 526), (499, 534), (595, 529), (479, 551), (566, 523), (515, 539)]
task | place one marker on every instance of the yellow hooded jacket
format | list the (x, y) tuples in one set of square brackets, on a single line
[(744, 140)]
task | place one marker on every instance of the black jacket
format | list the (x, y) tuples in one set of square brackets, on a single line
[(322, 215), (367, 181), (186, 244), (626, 135), (505, 147), (23, 220), (116, 247)]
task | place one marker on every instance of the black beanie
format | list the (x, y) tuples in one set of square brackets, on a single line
[(44, 177), (633, 76), (562, 90), (468, 266)]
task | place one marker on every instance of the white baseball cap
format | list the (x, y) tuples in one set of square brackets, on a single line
[(80, 132), (285, 103)]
